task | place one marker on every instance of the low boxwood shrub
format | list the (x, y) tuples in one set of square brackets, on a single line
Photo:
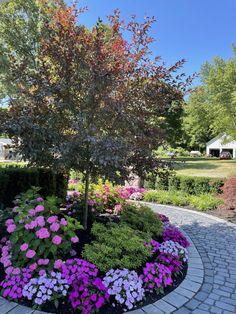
[(116, 246), (143, 219), (15, 180)]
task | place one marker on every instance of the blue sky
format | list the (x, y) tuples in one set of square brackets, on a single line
[(196, 30)]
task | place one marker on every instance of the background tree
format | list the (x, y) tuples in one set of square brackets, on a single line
[(211, 110), (95, 102)]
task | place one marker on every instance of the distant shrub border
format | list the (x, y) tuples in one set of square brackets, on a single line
[(190, 185), (17, 179)]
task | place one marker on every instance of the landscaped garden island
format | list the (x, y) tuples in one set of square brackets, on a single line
[(128, 257)]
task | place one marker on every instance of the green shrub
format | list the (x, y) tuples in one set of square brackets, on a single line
[(177, 198), (204, 201), (15, 180), (201, 185), (143, 219), (116, 246), (187, 185), (174, 183)]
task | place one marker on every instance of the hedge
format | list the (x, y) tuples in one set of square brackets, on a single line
[(14, 180), (189, 185)]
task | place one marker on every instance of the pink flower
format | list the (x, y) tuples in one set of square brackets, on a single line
[(43, 233), (11, 228), (9, 222), (31, 225), (56, 240), (33, 266), (40, 221), (52, 219), (14, 209), (42, 261), (9, 270), (54, 227), (24, 247), (42, 272), (39, 199), (75, 239), (58, 264), (16, 271), (39, 208), (30, 253), (32, 212), (63, 222)]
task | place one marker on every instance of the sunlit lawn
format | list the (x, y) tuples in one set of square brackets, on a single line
[(209, 168)]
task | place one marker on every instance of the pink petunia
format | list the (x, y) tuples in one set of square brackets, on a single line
[(42, 272), (40, 221), (32, 212), (43, 261), (33, 266), (39, 199), (9, 222), (30, 253), (24, 247), (56, 240)]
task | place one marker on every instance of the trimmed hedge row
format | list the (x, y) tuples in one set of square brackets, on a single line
[(15, 180), (189, 185)]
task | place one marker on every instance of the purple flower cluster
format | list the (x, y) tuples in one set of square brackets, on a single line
[(175, 249), (173, 233), (156, 276), (154, 244), (73, 269), (125, 286), (163, 218), (44, 288), (88, 294), (13, 285), (173, 262), (6, 254)]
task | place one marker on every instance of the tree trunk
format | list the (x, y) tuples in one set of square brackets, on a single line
[(85, 218)]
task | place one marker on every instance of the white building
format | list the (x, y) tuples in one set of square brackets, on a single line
[(5, 148), (220, 144)]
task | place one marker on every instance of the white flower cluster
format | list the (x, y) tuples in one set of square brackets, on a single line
[(136, 196), (174, 248)]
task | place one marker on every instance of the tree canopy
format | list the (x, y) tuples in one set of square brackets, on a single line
[(95, 102)]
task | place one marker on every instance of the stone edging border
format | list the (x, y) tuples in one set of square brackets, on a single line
[(185, 291)]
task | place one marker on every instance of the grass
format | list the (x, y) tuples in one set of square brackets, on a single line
[(214, 168)]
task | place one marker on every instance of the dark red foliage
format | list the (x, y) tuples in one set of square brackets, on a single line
[(229, 194)]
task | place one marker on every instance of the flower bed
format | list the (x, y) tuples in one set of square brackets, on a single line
[(126, 259)]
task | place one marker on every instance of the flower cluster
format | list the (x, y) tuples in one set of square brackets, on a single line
[(13, 284), (44, 288), (125, 286), (173, 233), (156, 276), (88, 294), (174, 248), (163, 218), (126, 191), (10, 225), (6, 254), (173, 262), (154, 244), (73, 269), (136, 196)]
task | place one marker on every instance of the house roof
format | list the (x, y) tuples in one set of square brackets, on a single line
[(215, 138)]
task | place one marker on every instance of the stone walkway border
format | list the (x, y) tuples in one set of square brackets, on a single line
[(184, 292)]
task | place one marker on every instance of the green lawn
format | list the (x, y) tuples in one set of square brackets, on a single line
[(206, 167)]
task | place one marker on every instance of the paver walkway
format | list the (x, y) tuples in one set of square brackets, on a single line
[(215, 241)]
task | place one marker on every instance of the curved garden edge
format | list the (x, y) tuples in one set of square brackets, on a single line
[(168, 304), (185, 291)]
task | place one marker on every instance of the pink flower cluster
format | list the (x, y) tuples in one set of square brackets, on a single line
[(126, 191), (11, 227), (13, 284), (6, 253), (173, 262), (156, 276), (173, 233)]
